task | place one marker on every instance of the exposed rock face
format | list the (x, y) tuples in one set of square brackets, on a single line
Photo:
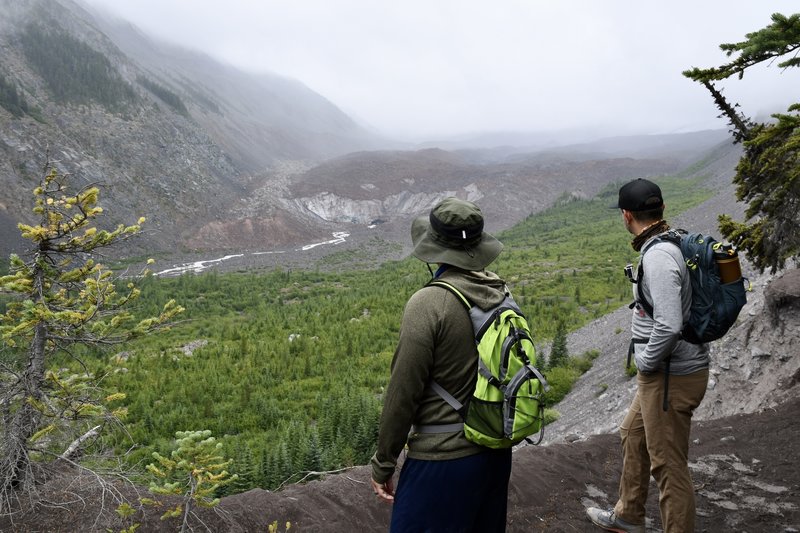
[(783, 300), (365, 187), (334, 208), (757, 365)]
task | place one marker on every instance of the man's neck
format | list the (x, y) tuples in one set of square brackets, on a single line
[(640, 227)]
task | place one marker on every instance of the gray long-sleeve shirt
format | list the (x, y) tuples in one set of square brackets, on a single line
[(667, 287)]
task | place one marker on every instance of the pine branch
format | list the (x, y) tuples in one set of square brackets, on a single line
[(740, 123)]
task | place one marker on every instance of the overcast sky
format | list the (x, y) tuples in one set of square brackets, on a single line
[(422, 69)]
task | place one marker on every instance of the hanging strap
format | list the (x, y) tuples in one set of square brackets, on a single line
[(632, 348), (443, 428), (665, 405), (640, 299), (446, 396)]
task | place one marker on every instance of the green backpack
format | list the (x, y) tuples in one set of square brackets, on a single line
[(508, 403)]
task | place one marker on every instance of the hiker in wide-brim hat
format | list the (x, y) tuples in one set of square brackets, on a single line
[(452, 234), (447, 482)]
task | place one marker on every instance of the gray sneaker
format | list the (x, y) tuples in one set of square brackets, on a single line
[(611, 522)]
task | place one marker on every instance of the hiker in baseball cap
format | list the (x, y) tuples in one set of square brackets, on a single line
[(453, 234), (639, 195)]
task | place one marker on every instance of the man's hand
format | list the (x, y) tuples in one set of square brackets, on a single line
[(385, 491)]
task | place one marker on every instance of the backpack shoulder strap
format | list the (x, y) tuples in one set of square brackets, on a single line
[(673, 236), (452, 289), (481, 319), (438, 389), (640, 299)]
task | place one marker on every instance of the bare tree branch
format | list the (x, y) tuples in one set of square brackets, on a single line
[(72, 451)]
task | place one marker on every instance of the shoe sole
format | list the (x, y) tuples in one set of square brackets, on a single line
[(615, 530)]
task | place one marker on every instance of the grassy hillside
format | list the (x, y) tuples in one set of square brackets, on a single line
[(287, 367)]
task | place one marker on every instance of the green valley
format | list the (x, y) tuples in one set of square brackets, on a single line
[(287, 368)]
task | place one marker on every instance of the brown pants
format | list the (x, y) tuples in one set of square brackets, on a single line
[(656, 442)]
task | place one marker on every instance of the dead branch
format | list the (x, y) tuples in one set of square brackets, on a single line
[(72, 451), (309, 474)]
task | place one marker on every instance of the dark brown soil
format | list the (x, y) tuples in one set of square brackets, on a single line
[(745, 470)]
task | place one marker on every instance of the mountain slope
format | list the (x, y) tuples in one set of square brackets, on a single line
[(377, 193), (168, 134), (385, 185), (257, 119), (220, 160)]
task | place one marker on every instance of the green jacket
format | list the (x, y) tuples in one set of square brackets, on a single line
[(436, 343)]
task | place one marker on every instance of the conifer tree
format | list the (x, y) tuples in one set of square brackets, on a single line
[(268, 468), (283, 462), (59, 300), (313, 460), (559, 356), (195, 470), (248, 474), (768, 174)]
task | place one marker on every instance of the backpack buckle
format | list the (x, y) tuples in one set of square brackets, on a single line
[(629, 273)]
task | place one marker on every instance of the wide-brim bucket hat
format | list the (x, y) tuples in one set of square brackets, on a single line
[(453, 234)]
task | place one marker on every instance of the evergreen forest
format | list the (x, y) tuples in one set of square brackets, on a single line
[(287, 367), (12, 99), (74, 71), (165, 95)]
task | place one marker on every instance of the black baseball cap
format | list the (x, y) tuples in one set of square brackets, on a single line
[(639, 195)]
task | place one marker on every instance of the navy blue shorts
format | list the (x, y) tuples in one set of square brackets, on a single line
[(457, 496)]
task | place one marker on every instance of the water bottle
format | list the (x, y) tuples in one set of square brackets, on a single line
[(727, 260)]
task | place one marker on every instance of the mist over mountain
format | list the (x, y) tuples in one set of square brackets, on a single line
[(257, 118), (220, 159), (167, 133)]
